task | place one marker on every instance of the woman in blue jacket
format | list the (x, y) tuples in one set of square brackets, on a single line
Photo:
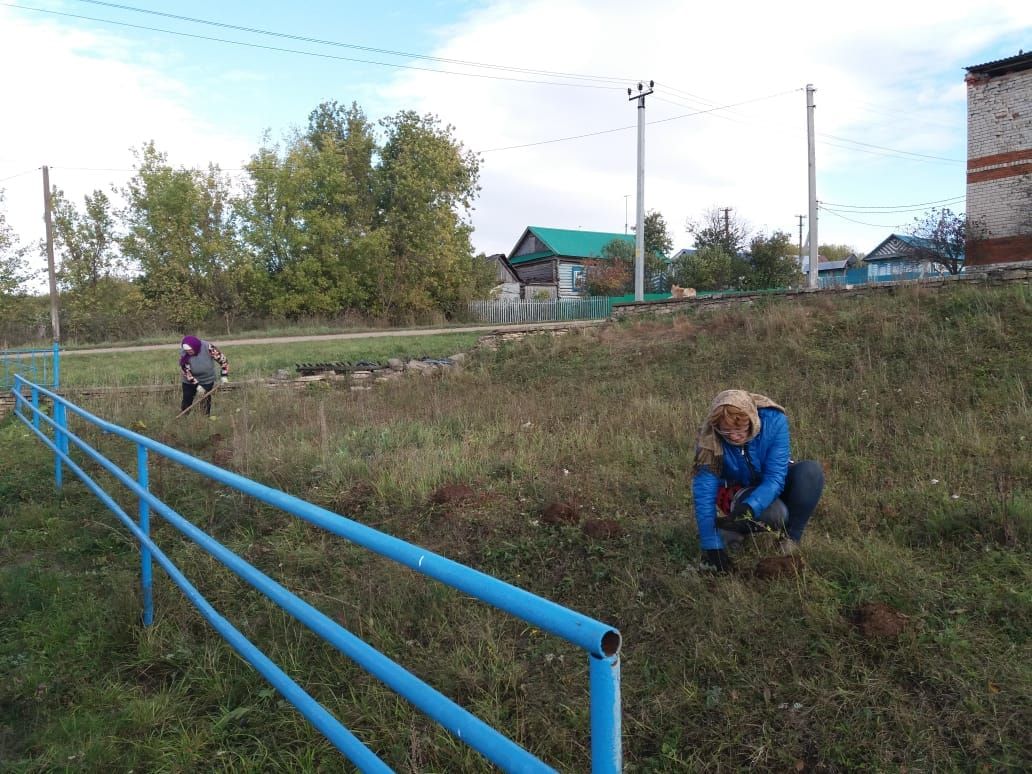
[(743, 468)]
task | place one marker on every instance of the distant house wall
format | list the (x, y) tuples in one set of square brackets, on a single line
[(537, 273), (571, 279), (999, 168)]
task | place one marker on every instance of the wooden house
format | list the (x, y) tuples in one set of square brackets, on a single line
[(552, 262)]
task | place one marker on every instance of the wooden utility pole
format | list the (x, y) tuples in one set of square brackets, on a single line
[(55, 320)]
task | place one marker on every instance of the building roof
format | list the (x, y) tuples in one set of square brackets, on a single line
[(831, 265), (1012, 64), (566, 242), (897, 246)]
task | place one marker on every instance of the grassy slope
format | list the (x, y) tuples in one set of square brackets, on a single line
[(917, 402)]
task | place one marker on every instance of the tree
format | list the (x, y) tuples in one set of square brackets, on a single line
[(773, 264), (426, 184), (944, 236), (180, 232), (711, 268), (658, 241), (85, 242), (613, 273), (718, 227), (13, 272), (836, 252)]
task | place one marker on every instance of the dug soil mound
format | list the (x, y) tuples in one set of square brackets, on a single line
[(562, 512), (876, 620), (602, 529), (771, 567), (450, 494)]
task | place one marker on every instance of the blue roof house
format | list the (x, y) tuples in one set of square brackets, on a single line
[(901, 257)]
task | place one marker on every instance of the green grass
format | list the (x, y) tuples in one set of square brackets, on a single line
[(252, 361), (917, 403)]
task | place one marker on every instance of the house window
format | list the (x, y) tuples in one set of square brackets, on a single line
[(579, 279)]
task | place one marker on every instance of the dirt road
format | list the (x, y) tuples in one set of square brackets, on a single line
[(393, 333)]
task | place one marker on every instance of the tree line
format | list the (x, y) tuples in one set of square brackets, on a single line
[(341, 217)]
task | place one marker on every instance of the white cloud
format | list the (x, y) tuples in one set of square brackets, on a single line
[(887, 73), (81, 101)]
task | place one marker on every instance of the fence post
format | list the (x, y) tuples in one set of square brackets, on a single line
[(35, 404), (142, 479), (57, 365), (60, 440), (606, 749)]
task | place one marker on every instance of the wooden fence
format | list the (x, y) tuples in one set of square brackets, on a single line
[(594, 308)]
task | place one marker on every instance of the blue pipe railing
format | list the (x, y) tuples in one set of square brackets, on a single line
[(42, 366), (601, 641)]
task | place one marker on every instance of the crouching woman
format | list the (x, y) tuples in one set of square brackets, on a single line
[(744, 481)]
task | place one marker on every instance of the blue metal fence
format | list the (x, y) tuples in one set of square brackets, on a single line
[(600, 641), (41, 366)]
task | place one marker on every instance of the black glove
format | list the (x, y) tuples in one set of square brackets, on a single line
[(742, 512), (717, 559)]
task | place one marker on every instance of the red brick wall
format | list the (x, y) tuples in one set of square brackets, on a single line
[(1001, 250)]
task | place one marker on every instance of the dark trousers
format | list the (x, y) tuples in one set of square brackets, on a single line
[(791, 511), (190, 392), (803, 486)]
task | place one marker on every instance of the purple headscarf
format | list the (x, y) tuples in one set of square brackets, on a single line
[(193, 343)]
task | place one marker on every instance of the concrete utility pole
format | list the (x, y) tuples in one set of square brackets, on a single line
[(800, 241), (812, 159), (727, 224), (639, 235), (55, 321)]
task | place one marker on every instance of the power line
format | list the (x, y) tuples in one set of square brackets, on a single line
[(894, 150), (650, 123), (312, 53), (26, 172), (355, 46), (889, 208), (853, 220)]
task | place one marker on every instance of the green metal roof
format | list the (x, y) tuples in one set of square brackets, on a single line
[(579, 244)]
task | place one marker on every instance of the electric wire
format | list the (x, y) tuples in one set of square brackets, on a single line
[(860, 222), (20, 174), (316, 54), (888, 208), (358, 47)]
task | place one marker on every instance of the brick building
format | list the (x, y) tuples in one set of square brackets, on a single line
[(999, 167)]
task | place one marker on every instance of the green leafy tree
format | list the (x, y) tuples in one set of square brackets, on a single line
[(772, 262), (13, 272), (426, 183), (944, 236), (658, 241), (85, 241), (613, 273), (180, 233), (836, 252), (711, 268), (720, 227)]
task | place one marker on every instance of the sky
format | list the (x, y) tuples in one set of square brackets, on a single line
[(537, 88)]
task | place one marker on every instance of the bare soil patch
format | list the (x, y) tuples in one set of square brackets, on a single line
[(602, 529), (876, 620), (561, 512), (450, 494), (771, 567)]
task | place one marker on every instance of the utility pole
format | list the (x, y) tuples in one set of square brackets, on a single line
[(727, 225), (812, 165), (639, 234), (55, 322), (626, 197), (800, 241)]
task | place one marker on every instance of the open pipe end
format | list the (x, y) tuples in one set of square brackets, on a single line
[(611, 642)]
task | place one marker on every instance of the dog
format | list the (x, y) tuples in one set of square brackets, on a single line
[(676, 291)]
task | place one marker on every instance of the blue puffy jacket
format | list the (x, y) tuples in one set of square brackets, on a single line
[(762, 463)]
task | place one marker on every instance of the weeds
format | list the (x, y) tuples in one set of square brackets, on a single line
[(917, 404)]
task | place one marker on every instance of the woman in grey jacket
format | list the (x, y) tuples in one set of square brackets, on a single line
[(198, 363)]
